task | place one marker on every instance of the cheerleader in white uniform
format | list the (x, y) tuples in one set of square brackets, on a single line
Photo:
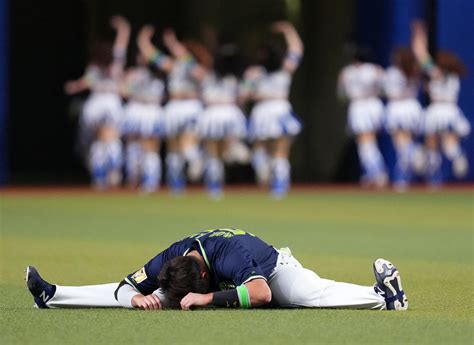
[(181, 112), (403, 112), (444, 120), (272, 121), (143, 126), (361, 83), (102, 111), (222, 124)]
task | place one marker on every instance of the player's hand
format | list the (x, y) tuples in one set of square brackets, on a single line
[(195, 300), (146, 33), (150, 302), (169, 37), (282, 26), (70, 87), (118, 22)]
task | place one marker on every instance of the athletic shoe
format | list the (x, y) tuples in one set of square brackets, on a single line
[(388, 280), (41, 290)]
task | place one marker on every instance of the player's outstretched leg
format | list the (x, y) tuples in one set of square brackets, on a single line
[(389, 281), (41, 290), (47, 295)]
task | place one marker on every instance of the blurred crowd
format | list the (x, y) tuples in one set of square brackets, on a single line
[(189, 96), (420, 136)]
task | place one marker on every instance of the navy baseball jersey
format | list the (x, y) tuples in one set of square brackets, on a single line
[(232, 256)]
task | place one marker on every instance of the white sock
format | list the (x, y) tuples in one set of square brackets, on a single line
[(261, 165), (214, 171), (98, 163), (434, 161), (114, 154), (151, 166), (174, 166), (371, 159), (132, 161), (84, 296)]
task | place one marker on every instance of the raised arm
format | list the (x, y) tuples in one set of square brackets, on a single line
[(150, 52), (294, 44), (420, 49), (72, 87), (177, 49), (122, 37), (180, 52)]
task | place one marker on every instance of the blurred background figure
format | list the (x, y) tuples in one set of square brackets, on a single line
[(102, 112), (184, 75), (222, 124), (272, 121), (361, 83), (143, 126), (273, 85), (445, 123), (403, 113)]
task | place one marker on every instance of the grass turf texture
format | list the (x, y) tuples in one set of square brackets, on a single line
[(76, 238)]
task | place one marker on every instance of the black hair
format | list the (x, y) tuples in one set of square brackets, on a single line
[(180, 276), (227, 61), (358, 52), (271, 55), (101, 53)]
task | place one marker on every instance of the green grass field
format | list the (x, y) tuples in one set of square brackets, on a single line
[(87, 238)]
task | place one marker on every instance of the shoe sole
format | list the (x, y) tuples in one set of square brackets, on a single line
[(390, 284), (27, 275)]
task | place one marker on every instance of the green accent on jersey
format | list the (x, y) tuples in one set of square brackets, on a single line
[(224, 232), (204, 254), (244, 298)]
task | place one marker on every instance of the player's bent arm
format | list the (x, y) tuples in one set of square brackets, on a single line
[(259, 292), (251, 294), (129, 297), (125, 293)]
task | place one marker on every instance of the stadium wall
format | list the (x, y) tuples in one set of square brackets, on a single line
[(3, 89)]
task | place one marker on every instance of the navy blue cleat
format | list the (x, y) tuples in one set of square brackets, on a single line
[(41, 290), (389, 281)]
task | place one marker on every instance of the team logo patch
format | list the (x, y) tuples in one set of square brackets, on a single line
[(139, 276)]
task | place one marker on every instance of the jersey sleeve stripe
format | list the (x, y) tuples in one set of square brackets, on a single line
[(203, 253), (254, 277)]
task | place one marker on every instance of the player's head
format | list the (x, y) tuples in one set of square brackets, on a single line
[(199, 52), (227, 61), (405, 60), (450, 63), (101, 53), (358, 53), (182, 275), (270, 55)]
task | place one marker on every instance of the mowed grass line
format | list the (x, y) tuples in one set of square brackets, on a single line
[(89, 239)]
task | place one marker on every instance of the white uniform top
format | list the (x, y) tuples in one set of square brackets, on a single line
[(361, 81), (102, 80), (397, 86), (144, 87), (220, 90), (180, 79), (273, 84), (444, 89)]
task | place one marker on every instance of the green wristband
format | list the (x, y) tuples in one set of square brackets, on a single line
[(244, 298)]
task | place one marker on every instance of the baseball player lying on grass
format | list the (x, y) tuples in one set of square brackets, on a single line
[(224, 268)]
